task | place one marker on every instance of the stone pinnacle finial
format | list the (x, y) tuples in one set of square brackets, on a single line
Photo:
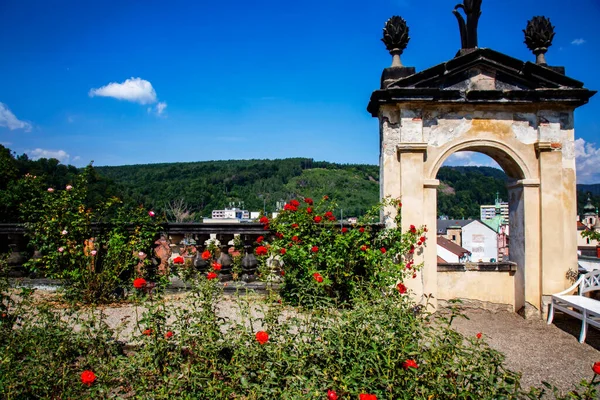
[(468, 29), (538, 37), (395, 38)]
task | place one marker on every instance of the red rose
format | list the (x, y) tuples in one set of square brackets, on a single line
[(309, 210), (266, 228), (294, 226), (295, 203), (344, 230), (282, 273), (169, 334), (206, 255), (415, 275), (308, 200), (317, 218), (401, 288), (262, 337), (325, 197), (596, 367), (88, 377), (361, 230), (260, 239), (383, 250), (425, 229), (263, 220), (283, 251), (410, 364), (147, 332), (413, 229), (289, 207), (279, 235), (178, 260), (314, 249), (364, 396), (295, 238), (329, 215), (261, 251), (423, 239), (478, 335), (216, 266), (363, 247), (139, 283), (317, 276), (211, 275), (331, 395)]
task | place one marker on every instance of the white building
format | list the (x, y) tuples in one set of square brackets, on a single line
[(231, 213), (481, 241), (450, 252)]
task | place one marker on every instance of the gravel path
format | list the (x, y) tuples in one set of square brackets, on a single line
[(541, 352)]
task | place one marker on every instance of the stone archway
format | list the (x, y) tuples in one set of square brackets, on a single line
[(521, 115)]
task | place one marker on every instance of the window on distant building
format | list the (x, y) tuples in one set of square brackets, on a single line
[(588, 241), (453, 237)]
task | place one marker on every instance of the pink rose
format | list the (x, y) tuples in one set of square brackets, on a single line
[(64, 232), (50, 190), (61, 249), (69, 187), (94, 252), (151, 213)]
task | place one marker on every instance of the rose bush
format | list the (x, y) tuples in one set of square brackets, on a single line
[(94, 251), (309, 241)]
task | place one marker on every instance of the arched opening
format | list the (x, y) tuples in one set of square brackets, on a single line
[(481, 219)]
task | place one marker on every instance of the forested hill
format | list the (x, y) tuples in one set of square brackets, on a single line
[(200, 187), (204, 186)]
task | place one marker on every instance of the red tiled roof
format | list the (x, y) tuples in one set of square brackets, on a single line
[(451, 246)]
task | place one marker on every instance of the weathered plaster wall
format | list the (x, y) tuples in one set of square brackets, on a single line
[(493, 287)]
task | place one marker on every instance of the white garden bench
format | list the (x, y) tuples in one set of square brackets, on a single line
[(579, 306)]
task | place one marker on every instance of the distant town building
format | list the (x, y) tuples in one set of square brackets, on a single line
[(473, 235), (500, 208), (450, 252), (229, 215), (590, 221)]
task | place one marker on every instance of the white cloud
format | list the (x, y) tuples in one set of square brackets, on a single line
[(136, 90), (60, 155), (10, 121), (578, 42), (587, 158), (160, 107), (461, 155)]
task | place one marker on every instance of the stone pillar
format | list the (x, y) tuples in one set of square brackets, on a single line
[(389, 164), (430, 273), (412, 190), (532, 243), (553, 227)]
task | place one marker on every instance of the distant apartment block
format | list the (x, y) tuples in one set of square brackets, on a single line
[(231, 213), (494, 210)]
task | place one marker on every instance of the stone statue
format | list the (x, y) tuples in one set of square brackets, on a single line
[(468, 30), (163, 252)]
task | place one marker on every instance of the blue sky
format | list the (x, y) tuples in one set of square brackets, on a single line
[(136, 82)]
